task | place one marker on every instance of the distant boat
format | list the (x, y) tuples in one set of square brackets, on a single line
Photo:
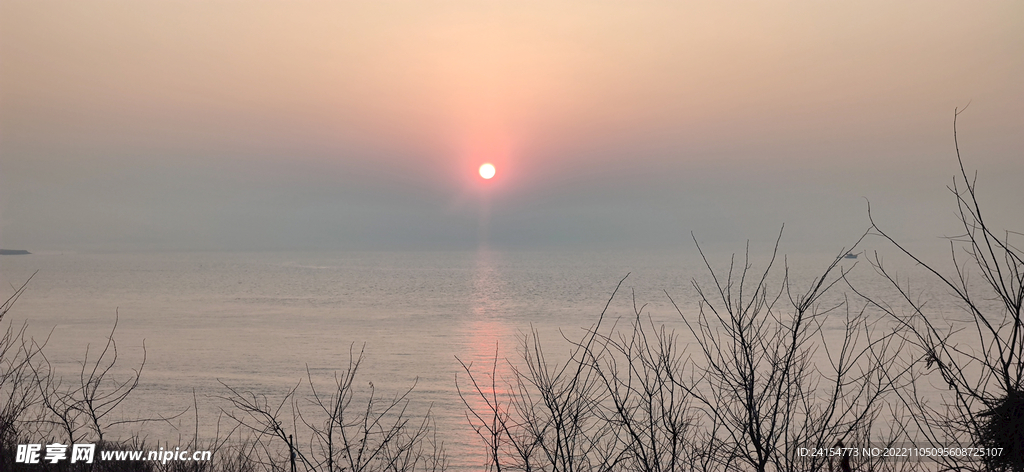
[(13, 252), (851, 255)]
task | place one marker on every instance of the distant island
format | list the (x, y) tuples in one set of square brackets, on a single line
[(13, 252)]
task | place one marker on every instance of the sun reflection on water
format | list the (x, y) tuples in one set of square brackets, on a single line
[(490, 344)]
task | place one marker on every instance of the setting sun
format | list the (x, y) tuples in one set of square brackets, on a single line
[(487, 171)]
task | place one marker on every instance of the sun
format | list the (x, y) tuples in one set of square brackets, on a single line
[(487, 170)]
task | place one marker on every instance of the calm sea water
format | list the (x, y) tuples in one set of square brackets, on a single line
[(257, 322)]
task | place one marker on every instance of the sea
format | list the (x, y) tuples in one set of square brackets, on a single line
[(201, 325)]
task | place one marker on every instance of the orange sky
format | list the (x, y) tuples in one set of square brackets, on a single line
[(265, 106)]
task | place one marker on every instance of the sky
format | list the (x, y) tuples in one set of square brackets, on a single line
[(268, 125)]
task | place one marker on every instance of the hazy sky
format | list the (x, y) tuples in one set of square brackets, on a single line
[(136, 125)]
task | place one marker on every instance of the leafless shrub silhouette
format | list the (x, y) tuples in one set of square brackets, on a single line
[(82, 410), (974, 360), (17, 391), (38, 405), (548, 416), (655, 420), (767, 378), (628, 398), (348, 430)]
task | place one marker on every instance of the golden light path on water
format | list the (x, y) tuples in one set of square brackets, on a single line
[(484, 384)]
